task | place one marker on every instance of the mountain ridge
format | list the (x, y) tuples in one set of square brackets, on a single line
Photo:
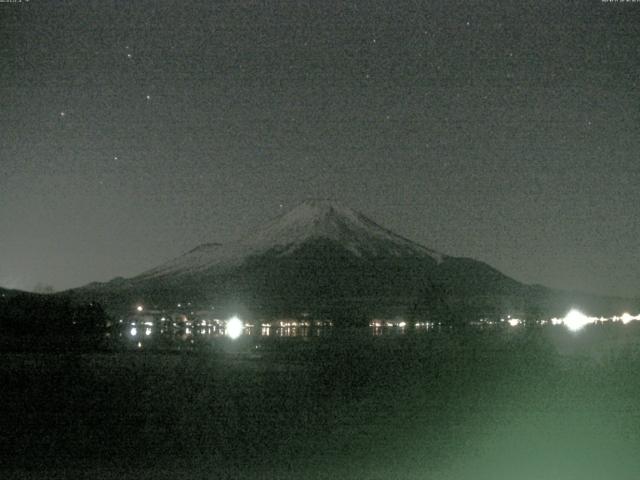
[(311, 219), (331, 261)]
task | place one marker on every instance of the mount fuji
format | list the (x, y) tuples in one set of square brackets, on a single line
[(326, 260), (313, 220)]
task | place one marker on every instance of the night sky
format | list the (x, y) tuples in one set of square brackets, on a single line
[(509, 132)]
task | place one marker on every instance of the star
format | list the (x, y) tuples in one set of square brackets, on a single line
[(148, 97), (115, 157), (129, 55), (62, 114)]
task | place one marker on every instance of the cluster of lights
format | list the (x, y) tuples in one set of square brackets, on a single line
[(293, 323), (514, 322), (424, 324), (626, 318), (387, 323), (575, 320), (398, 323)]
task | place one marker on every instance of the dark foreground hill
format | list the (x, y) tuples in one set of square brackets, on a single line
[(35, 321)]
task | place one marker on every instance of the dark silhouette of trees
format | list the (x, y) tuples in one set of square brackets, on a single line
[(52, 318)]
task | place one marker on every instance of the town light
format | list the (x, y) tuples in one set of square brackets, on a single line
[(139, 308), (626, 318), (575, 320), (234, 327)]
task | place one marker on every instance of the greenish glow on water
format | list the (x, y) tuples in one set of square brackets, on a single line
[(478, 405)]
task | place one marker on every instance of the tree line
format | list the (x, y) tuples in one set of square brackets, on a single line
[(51, 317)]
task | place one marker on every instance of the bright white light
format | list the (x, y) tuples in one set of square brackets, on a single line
[(402, 324), (147, 331), (626, 318), (139, 308), (134, 331), (514, 322), (234, 327), (575, 320)]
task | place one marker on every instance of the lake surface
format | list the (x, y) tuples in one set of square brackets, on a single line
[(484, 404)]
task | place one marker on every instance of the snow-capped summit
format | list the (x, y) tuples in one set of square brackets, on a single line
[(331, 220), (311, 220)]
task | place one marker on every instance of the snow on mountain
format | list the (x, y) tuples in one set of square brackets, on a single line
[(313, 219)]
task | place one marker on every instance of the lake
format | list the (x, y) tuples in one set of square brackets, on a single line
[(480, 404)]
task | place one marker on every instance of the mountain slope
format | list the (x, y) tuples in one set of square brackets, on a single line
[(310, 220), (330, 261)]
